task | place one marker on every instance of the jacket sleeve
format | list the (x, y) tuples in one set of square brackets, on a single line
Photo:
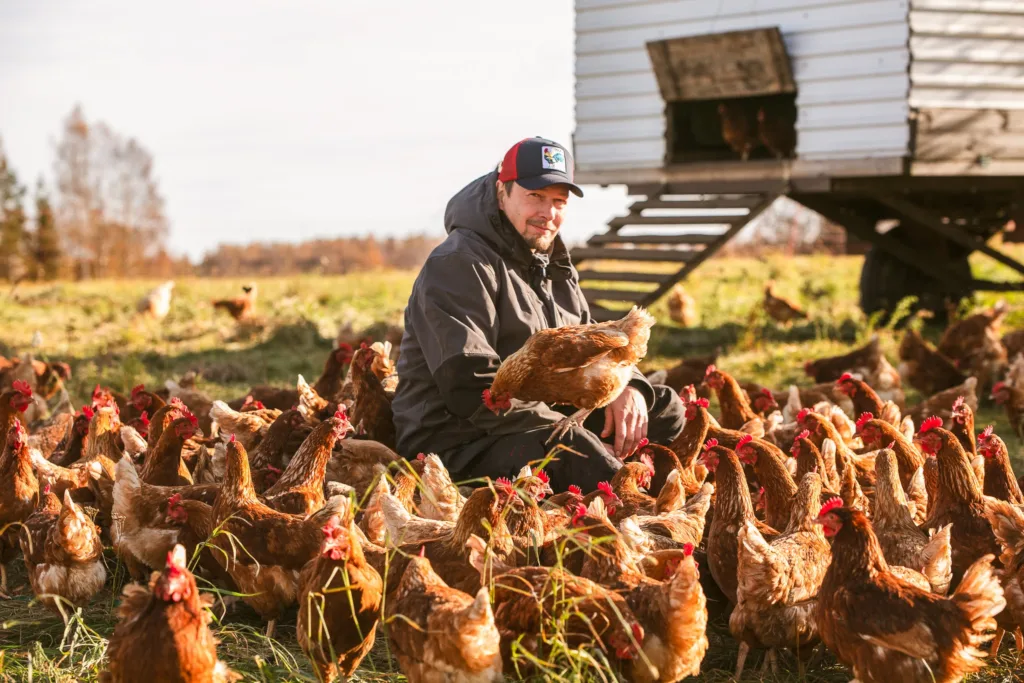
[(456, 320), (639, 381)]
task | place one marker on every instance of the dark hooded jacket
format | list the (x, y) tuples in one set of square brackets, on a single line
[(478, 298)]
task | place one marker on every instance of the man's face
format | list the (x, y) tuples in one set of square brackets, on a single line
[(536, 214)]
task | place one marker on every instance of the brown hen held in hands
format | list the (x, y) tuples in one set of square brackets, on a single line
[(586, 366)]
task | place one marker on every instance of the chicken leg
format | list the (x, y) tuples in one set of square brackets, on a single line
[(567, 423), (3, 583)]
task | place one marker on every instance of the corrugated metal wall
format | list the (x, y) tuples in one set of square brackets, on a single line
[(967, 54), (850, 61)]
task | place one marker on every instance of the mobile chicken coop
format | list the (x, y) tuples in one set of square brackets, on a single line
[(898, 114)]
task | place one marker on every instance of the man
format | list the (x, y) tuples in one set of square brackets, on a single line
[(502, 274)]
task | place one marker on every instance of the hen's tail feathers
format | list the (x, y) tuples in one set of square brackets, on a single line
[(700, 502), (937, 560), (980, 598), (1007, 522), (636, 320), (688, 623), (755, 552)]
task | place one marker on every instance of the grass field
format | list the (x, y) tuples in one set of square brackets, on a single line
[(93, 327)]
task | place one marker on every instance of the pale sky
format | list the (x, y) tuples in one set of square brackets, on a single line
[(273, 120)]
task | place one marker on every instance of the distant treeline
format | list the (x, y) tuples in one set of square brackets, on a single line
[(328, 257), (105, 218)]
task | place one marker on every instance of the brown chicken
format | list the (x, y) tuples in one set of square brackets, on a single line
[(19, 494), (272, 450), (586, 366), (690, 443), (877, 434), (626, 483), (888, 630), (267, 547), (144, 530), (779, 308), (732, 509), (141, 401), (809, 458), (864, 398), (974, 342), (63, 554), (1007, 522), (354, 462), (1012, 400), (13, 402), (959, 499), (52, 437), (72, 449), (164, 633), (941, 404), (776, 129), (239, 308), (779, 580), (902, 542), (682, 307), (769, 465), (371, 413), (340, 598), (300, 489), (439, 633), (739, 126), (732, 400), (999, 480), (248, 428), (924, 367), (863, 361), (164, 465)]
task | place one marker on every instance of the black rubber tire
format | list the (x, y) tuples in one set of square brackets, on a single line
[(885, 280)]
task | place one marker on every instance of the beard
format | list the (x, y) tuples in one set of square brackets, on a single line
[(540, 241)]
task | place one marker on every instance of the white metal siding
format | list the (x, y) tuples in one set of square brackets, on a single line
[(850, 62), (967, 54)]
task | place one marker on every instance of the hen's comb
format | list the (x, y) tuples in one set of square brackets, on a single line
[(688, 549), (768, 392), (606, 488), (710, 370), (46, 489), (177, 402), (802, 414), (747, 438), (232, 440), (138, 389), (802, 435), (503, 482), (702, 402), (421, 456), (845, 376), (986, 434), (830, 505), (543, 476), (144, 418), (864, 419), (998, 386), (575, 490), (423, 548), (22, 387), (643, 443), (933, 422), (88, 412), (579, 512), (710, 443), (174, 500)]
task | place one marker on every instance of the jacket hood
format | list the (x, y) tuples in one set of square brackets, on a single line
[(475, 208)]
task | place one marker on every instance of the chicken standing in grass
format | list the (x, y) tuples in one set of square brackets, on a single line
[(586, 366)]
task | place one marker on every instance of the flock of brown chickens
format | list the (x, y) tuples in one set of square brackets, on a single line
[(844, 517)]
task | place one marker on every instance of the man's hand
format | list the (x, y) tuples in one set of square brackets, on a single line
[(627, 417)]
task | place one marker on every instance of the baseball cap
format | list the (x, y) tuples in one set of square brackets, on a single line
[(537, 162)]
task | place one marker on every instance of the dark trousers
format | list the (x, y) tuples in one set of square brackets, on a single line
[(588, 465)]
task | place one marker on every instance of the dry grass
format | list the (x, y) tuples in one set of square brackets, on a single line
[(93, 326)]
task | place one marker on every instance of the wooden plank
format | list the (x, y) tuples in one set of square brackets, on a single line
[(620, 221), (649, 255), (969, 146), (977, 24), (619, 238), (997, 167), (960, 6), (977, 120), (714, 66), (622, 276), (632, 296), (695, 204), (950, 232)]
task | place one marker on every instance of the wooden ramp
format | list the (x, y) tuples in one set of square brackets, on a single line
[(670, 234)]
